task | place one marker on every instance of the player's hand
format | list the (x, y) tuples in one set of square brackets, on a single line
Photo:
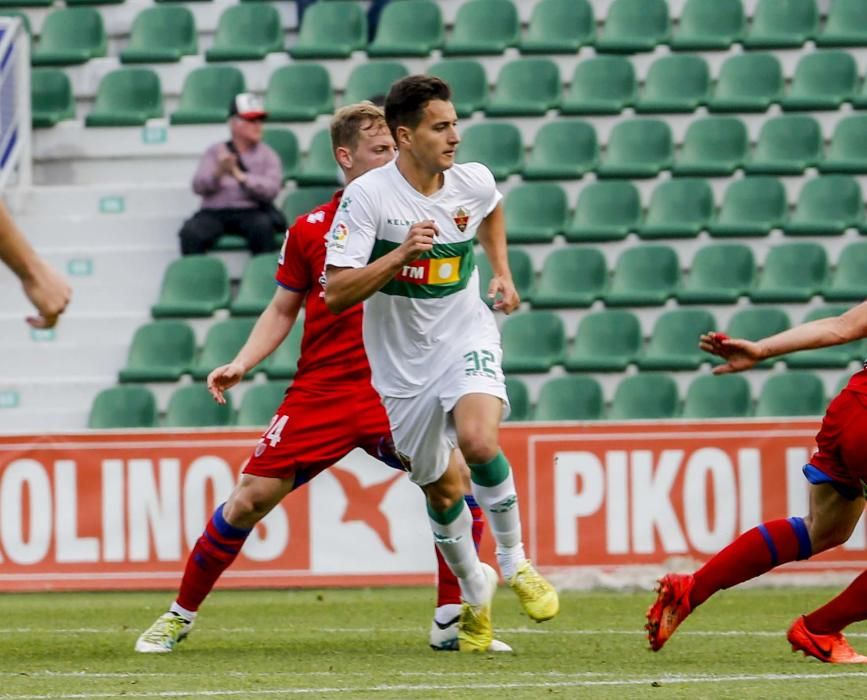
[(502, 292), (419, 240), (224, 378), (49, 292), (738, 353)]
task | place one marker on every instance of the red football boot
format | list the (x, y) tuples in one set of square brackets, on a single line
[(828, 648), (670, 609)]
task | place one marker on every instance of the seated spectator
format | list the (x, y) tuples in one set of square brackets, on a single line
[(238, 181)]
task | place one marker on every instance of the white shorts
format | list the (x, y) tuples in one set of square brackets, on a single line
[(423, 427)]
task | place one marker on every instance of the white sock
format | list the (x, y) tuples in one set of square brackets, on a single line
[(446, 613), (455, 542), (188, 615), (500, 504)]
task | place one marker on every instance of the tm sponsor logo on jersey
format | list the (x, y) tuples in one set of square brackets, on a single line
[(431, 271)]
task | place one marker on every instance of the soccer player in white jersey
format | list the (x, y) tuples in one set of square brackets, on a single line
[(402, 240)]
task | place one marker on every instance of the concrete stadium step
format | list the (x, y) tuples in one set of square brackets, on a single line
[(42, 421), (109, 199), (77, 328), (99, 231), (59, 393), (54, 358)]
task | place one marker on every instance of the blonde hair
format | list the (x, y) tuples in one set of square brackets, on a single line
[(349, 121)]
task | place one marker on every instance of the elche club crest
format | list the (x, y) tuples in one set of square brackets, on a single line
[(461, 218)]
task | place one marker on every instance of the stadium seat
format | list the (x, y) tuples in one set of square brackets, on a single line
[(564, 149), (833, 357), (709, 25), (521, 267), (195, 285), (318, 167), (747, 83), (847, 152), (637, 148), (535, 212), (848, 282), (645, 396), (634, 25), (644, 276), (127, 97), (787, 145), (793, 272), (161, 351), (496, 144), (755, 323), (260, 403), (719, 274), (469, 84), (257, 286), (283, 362), (606, 211), (725, 396), (299, 92), (751, 207), (559, 26), (823, 80), (193, 407), (484, 27), (161, 34), (222, 343), (123, 407), (247, 32), (679, 208), (207, 93), (519, 400), (301, 201), (827, 206), (533, 341), (713, 146), (70, 35), (782, 24), (51, 98), (368, 80), (408, 28), (601, 85), (673, 343), (606, 341), (570, 398), (675, 83), (72, 3), (793, 393), (285, 143), (331, 30), (846, 24), (571, 277), (526, 87)]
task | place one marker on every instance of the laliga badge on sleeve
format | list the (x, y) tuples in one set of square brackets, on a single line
[(339, 234)]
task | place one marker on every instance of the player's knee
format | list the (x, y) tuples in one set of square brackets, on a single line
[(825, 535), (479, 448), (243, 509), (443, 496)]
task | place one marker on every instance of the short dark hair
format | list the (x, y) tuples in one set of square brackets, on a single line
[(407, 98)]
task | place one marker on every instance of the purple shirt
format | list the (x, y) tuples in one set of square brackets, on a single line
[(264, 178)]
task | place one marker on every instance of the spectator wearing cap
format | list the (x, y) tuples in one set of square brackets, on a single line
[(238, 181)]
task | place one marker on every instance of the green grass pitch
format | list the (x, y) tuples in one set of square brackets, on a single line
[(373, 644)]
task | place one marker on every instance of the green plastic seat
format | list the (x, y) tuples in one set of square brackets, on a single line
[(70, 35), (565, 149), (679, 208), (526, 87), (161, 351), (484, 27), (674, 342), (299, 92), (260, 403), (331, 30), (222, 343), (827, 206), (634, 25), (161, 34), (193, 407), (713, 146), (51, 98), (792, 394), (535, 212), (601, 85), (123, 407), (195, 285), (747, 83), (519, 400), (847, 152), (496, 144), (606, 341), (833, 357), (675, 83), (848, 282), (127, 97), (846, 24), (751, 207), (571, 277), (257, 286), (720, 274), (570, 398), (787, 145), (559, 26), (645, 396), (793, 272), (318, 167), (637, 148), (301, 201), (782, 24), (408, 28), (285, 143), (533, 341), (468, 81), (207, 93), (283, 362), (823, 80), (725, 396), (247, 32), (709, 25), (755, 323), (368, 80), (605, 211), (73, 3), (521, 266), (644, 276)]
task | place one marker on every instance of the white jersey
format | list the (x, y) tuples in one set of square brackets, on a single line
[(430, 313)]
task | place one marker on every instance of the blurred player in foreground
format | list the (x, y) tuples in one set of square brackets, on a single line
[(836, 472), (330, 409)]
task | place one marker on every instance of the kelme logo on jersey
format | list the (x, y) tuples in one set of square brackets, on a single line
[(461, 218), (431, 271)]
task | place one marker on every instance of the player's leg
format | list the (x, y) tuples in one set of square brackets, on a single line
[(201, 231)]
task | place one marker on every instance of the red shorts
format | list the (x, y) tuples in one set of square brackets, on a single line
[(842, 443), (310, 432)]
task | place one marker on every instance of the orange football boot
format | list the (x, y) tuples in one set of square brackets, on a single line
[(670, 608), (828, 648)]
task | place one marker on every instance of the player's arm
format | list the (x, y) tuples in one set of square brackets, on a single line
[(492, 237)]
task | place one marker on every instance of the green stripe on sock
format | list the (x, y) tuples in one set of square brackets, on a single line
[(447, 516), (491, 473)]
